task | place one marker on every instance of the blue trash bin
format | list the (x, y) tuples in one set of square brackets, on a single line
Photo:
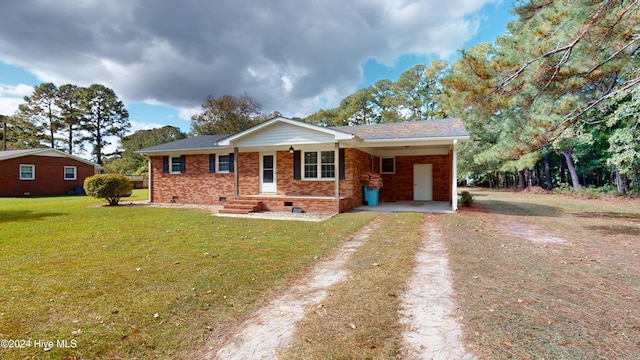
[(371, 196)]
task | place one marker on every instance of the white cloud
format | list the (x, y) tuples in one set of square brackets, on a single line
[(287, 56)]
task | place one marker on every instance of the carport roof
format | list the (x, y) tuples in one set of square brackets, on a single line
[(425, 129)]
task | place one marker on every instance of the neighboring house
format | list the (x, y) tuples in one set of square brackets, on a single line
[(44, 171), (283, 164)]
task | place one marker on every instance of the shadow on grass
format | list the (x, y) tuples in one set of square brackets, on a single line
[(518, 209), (616, 229), (24, 215)]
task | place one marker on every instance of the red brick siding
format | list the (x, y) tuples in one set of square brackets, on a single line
[(356, 162), (399, 186), (195, 186), (49, 176)]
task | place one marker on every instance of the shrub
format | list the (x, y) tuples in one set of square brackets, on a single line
[(466, 199), (108, 186)]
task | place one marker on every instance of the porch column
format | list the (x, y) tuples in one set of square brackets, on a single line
[(235, 172), (336, 175), (149, 178), (454, 178)]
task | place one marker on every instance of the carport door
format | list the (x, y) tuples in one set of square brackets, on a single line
[(423, 182)]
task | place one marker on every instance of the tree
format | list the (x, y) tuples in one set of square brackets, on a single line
[(41, 111), (130, 163), (226, 115), (105, 116), (558, 63), (70, 102)]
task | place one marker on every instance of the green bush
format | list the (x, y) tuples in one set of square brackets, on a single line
[(108, 186), (466, 199)]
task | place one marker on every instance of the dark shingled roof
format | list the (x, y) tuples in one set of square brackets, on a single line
[(197, 142), (407, 130)]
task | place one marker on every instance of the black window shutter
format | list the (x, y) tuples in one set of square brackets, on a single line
[(212, 163), (183, 164), (341, 161), (231, 162), (165, 164), (296, 165)]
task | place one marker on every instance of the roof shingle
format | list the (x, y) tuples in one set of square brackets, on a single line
[(408, 130)]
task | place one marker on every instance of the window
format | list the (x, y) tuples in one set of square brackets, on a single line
[(27, 172), (322, 167), (70, 172), (388, 165), (176, 165), (223, 163)]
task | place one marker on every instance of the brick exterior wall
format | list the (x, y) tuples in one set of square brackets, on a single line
[(399, 186), (49, 176), (198, 186), (195, 186)]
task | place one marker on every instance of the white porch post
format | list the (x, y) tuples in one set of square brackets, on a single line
[(235, 172), (454, 178), (336, 174), (149, 178)]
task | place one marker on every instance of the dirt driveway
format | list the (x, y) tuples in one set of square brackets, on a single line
[(428, 309)]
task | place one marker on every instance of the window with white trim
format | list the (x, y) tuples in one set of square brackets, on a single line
[(319, 165), (388, 165), (175, 165), (27, 172), (223, 163), (70, 172)]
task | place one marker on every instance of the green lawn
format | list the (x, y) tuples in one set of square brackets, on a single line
[(145, 282)]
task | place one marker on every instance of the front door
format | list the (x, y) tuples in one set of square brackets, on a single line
[(423, 182), (268, 173)]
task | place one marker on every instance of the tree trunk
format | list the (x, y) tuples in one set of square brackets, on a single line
[(563, 174), (575, 180), (538, 174), (71, 139), (522, 182), (621, 183), (547, 170), (506, 180)]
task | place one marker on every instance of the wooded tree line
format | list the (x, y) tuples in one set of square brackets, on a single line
[(556, 99), (67, 117)]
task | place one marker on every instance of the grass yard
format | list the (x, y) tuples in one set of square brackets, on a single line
[(535, 276), (140, 282), (526, 295)]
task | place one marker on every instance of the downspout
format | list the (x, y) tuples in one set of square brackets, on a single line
[(454, 178), (236, 178)]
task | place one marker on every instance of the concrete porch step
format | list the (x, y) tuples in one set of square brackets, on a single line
[(241, 207)]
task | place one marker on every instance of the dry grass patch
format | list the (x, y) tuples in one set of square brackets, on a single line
[(359, 318), (527, 299)]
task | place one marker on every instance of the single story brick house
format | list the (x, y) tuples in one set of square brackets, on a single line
[(284, 164), (44, 171)]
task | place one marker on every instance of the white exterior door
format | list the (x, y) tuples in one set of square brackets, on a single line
[(423, 182), (268, 173)]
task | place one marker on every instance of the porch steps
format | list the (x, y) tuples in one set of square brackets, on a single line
[(238, 206)]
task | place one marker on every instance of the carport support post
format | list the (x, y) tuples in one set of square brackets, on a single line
[(454, 177), (235, 172), (336, 174)]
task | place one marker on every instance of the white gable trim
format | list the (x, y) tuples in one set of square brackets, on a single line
[(43, 152), (337, 135)]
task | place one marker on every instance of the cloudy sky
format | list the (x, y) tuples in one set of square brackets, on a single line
[(164, 57)]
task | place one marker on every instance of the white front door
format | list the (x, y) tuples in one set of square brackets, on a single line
[(268, 173), (423, 182)]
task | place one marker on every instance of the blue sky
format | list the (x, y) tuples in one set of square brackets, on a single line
[(163, 58)]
